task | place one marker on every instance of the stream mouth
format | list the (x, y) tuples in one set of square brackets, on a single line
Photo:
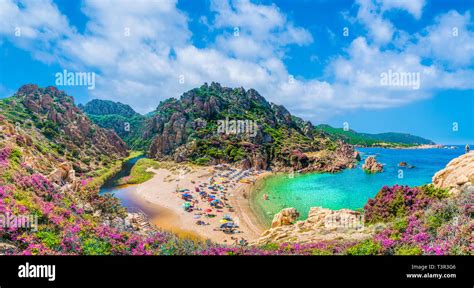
[(160, 216), (113, 182)]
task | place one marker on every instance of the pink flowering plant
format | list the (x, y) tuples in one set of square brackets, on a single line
[(422, 221)]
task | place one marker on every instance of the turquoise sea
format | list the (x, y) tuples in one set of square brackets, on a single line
[(350, 188)]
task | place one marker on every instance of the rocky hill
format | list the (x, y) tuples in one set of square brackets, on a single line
[(52, 117), (107, 107), (214, 124), (121, 118)]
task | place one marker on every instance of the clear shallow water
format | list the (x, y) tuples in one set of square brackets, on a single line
[(123, 193), (350, 188)]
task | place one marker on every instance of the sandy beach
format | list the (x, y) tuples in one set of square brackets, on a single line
[(162, 198)]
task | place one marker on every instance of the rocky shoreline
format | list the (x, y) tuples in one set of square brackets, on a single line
[(348, 225)]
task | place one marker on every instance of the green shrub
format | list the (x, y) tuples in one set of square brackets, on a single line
[(434, 192), (440, 213), (320, 252), (202, 161), (49, 239), (93, 246), (15, 156), (408, 250), (139, 173), (367, 247), (270, 246)]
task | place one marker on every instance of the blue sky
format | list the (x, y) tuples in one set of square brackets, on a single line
[(295, 53)]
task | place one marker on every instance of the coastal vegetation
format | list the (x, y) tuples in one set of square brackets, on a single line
[(421, 220), (387, 140)]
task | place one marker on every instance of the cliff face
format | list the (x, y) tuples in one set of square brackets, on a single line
[(51, 117), (458, 172), (188, 129)]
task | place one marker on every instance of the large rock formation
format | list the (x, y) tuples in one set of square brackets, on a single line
[(52, 114), (457, 173), (286, 216), (322, 224), (371, 165), (185, 129)]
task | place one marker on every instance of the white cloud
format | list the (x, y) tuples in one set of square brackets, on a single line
[(146, 66), (34, 25), (255, 31), (380, 29), (449, 41), (414, 7)]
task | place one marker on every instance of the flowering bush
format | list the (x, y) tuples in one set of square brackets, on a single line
[(4, 155), (439, 227), (399, 201), (36, 182)]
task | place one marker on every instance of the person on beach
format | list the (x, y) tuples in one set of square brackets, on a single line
[(467, 148)]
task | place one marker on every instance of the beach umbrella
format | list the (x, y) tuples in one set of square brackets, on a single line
[(223, 226)]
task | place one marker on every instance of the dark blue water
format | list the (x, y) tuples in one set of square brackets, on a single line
[(350, 188)]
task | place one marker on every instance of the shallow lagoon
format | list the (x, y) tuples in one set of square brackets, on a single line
[(350, 188)]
